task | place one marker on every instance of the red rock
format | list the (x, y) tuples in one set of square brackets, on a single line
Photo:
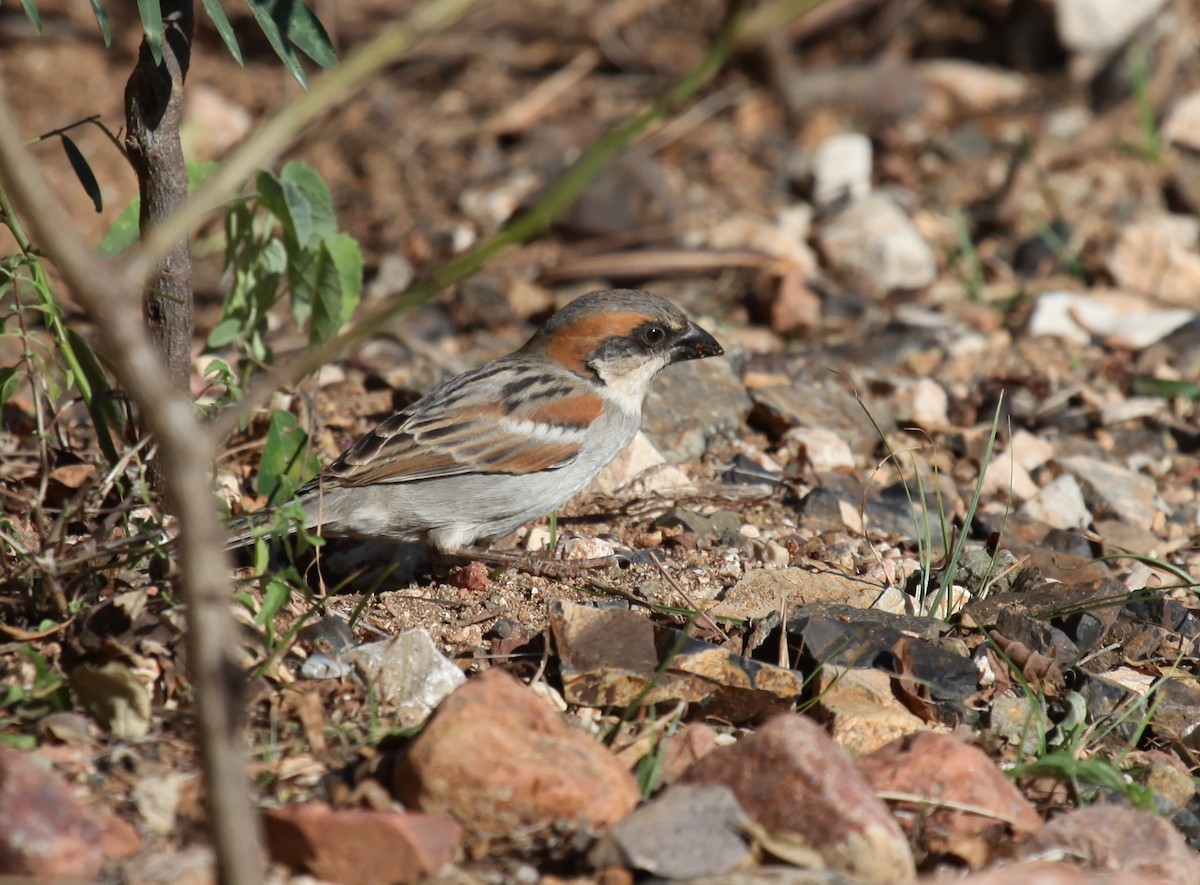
[(118, 839), (944, 769), (1053, 873), (45, 830), (795, 782), (1116, 839), (692, 742), (358, 846), (503, 762)]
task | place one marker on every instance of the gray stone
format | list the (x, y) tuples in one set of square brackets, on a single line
[(692, 405), (1114, 490), (408, 672), (820, 401), (687, 832)]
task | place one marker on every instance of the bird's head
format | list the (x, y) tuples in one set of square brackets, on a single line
[(621, 339)]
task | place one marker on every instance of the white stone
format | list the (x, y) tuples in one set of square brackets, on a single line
[(1030, 451), (874, 241), (1059, 504), (587, 548), (787, 239), (1135, 408), (640, 468), (1093, 26), (1122, 320), (1158, 257), (973, 88), (1182, 125), (922, 402), (1006, 477), (894, 600), (822, 449), (408, 671), (842, 169)]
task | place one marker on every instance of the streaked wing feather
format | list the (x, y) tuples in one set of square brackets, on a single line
[(463, 436)]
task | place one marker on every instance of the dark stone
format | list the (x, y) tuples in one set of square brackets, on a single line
[(845, 636), (820, 511)]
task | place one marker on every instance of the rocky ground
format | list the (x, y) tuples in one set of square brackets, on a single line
[(910, 572)]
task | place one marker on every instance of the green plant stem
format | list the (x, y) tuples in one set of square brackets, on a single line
[(54, 322), (741, 30)]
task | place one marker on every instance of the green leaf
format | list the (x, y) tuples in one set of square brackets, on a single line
[(224, 332), (152, 24), (305, 30), (102, 20), (217, 16), (83, 172), (302, 203), (336, 284), (124, 230), (264, 15), (122, 233), (291, 19), (31, 11), (275, 596), (8, 382), (286, 459)]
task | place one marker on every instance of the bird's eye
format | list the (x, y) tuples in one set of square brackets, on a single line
[(654, 334)]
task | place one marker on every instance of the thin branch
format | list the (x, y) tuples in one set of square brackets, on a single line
[(187, 451)]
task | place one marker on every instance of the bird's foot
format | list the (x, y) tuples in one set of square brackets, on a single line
[(535, 565)]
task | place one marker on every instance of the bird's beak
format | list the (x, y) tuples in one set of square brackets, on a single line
[(695, 344)]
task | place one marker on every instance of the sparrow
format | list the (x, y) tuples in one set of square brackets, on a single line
[(511, 440)]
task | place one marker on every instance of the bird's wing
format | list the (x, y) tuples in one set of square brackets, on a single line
[(469, 427)]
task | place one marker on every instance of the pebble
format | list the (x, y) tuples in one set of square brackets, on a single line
[(1157, 257), (1058, 504), (876, 244), (360, 846), (408, 672), (484, 758), (841, 168), (1124, 494), (1097, 26), (686, 833), (795, 783), (862, 709), (818, 448), (922, 402), (1116, 840), (1182, 123), (1120, 319), (45, 831), (944, 769), (322, 666)]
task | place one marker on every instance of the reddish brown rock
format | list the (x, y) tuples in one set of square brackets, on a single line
[(118, 838), (945, 770), (692, 742), (1054, 873), (1116, 839), (502, 762), (795, 783), (44, 830), (359, 846)]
